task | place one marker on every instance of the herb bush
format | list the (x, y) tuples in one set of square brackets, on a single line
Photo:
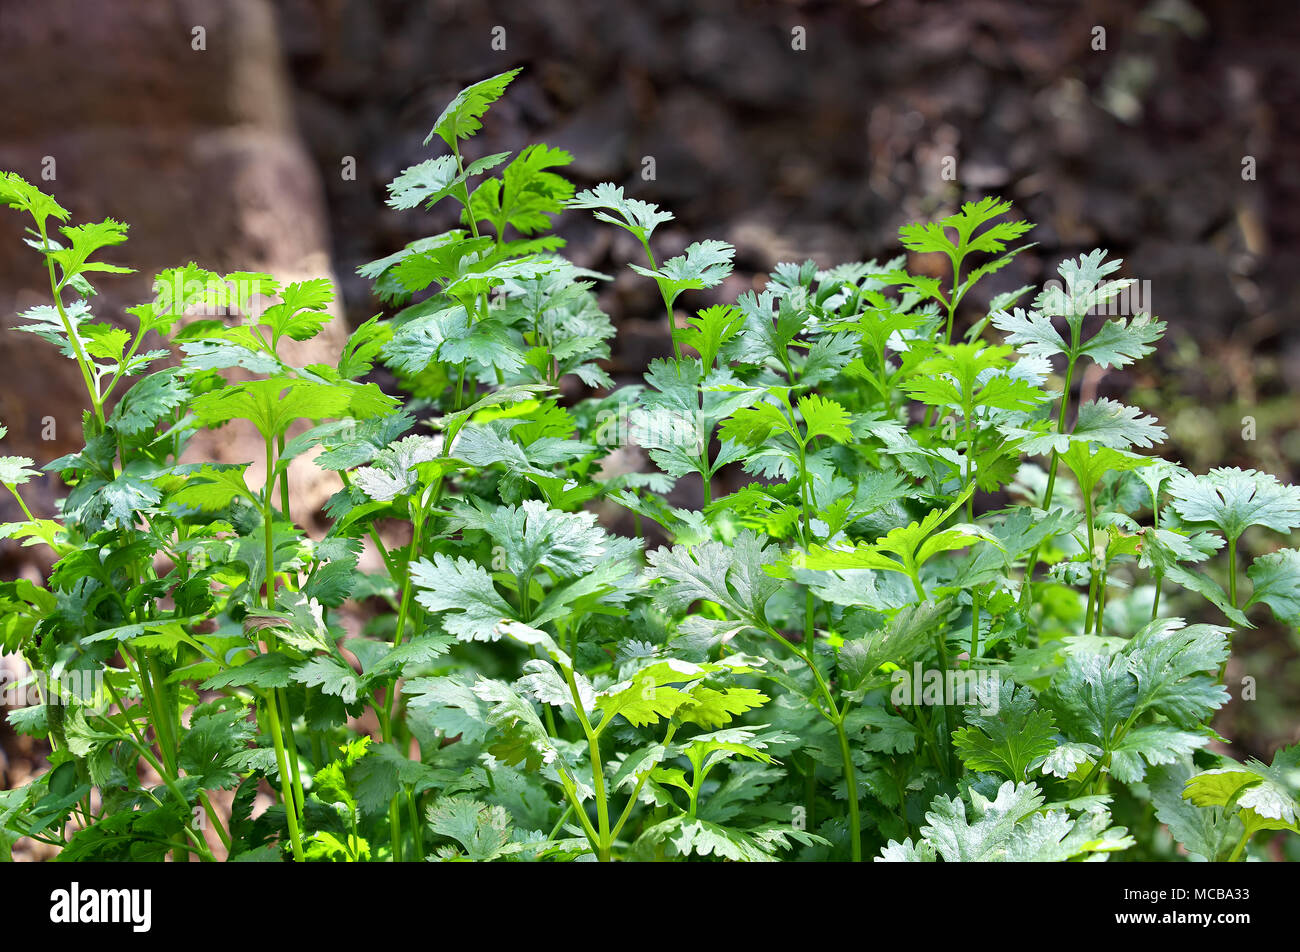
[(922, 507)]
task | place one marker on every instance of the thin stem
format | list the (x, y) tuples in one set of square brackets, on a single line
[(668, 304), (836, 717), (605, 840), (851, 783), (281, 761), (13, 490), (1092, 556), (1240, 847), (395, 826), (1056, 462), (284, 481), (559, 824), (413, 814), (403, 611), (636, 792), (1232, 571), (390, 703), (56, 288), (268, 518), (291, 749)]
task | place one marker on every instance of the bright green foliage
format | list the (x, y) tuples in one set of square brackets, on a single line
[(898, 637)]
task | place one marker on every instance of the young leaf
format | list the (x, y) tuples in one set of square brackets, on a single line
[(460, 119), (1009, 740), (1233, 499)]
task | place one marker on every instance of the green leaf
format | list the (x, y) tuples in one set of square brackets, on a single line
[(481, 830), (824, 417), (753, 426), (1119, 343), (1207, 587), (154, 398), (711, 708), (933, 236), (1233, 499), (1176, 668), (429, 181), (1276, 577), (465, 590), (527, 196), (460, 119), (17, 193), (262, 671), (1089, 465), (731, 575), (16, 470), (523, 737), (638, 217), (710, 330), (1011, 738), (989, 830), (641, 701), (214, 486), (86, 240), (272, 405), (1204, 831), (331, 676), (1270, 792), (914, 544), (533, 536), (1031, 333), (1108, 423), (302, 311), (1155, 744), (899, 640), (704, 265), (394, 471)]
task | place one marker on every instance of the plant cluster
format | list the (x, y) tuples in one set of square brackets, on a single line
[(785, 678)]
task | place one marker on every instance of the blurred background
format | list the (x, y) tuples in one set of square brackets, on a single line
[(260, 134)]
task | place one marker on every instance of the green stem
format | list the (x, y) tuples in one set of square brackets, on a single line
[(291, 749), (390, 702), (284, 481), (281, 761), (413, 814), (56, 288), (268, 520), (1240, 847), (200, 847), (1232, 572), (636, 792), (395, 826), (403, 611), (597, 772), (1092, 555), (851, 785), (13, 491), (836, 717), (1051, 473), (559, 824), (668, 304)]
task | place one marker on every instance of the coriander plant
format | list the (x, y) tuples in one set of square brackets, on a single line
[(931, 606)]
